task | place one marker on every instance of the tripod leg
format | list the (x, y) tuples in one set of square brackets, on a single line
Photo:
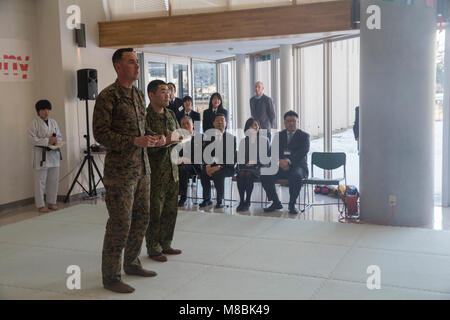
[(90, 177), (98, 171), (75, 180)]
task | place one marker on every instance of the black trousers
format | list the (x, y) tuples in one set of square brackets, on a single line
[(186, 171), (293, 175), (219, 182)]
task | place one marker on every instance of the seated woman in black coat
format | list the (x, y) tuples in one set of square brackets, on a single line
[(248, 172), (215, 107)]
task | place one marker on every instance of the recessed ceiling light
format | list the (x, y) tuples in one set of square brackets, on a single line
[(219, 50)]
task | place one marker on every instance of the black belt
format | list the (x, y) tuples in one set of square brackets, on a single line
[(44, 153)]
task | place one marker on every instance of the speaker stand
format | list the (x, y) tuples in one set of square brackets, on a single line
[(89, 159)]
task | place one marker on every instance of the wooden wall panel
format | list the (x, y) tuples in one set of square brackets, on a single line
[(229, 25)]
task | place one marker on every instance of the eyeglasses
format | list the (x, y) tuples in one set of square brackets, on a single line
[(291, 121)]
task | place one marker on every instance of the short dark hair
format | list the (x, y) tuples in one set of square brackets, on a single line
[(153, 85), (290, 113), (187, 98), (43, 104), (219, 114), (172, 84), (118, 54)]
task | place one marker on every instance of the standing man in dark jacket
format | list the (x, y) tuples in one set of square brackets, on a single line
[(292, 159), (356, 126), (175, 103), (261, 108)]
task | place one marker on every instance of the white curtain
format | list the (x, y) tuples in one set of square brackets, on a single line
[(250, 4), (135, 9), (180, 7)]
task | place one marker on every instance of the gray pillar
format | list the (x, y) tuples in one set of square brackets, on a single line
[(396, 114), (242, 97), (286, 79), (446, 125)]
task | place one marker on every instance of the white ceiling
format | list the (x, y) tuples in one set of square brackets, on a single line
[(217, 50)]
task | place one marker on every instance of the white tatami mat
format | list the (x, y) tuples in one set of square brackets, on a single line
[(229, 257)]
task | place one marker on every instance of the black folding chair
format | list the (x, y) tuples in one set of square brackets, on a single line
[(326, 161)]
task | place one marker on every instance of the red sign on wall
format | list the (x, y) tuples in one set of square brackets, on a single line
[(15, 60)]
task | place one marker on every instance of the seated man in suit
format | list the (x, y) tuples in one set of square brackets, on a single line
[(188, 111), (292, 161), (217, 165), (187, 166)]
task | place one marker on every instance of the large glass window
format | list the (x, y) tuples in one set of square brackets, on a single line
[(156, 70), (311, 98), (438, 126), (263, 70), (181, 79), (345, 98), (226, 89), (205, 84)]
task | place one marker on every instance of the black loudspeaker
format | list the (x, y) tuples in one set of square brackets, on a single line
[(355, 14), (80, 36), (87, 84)]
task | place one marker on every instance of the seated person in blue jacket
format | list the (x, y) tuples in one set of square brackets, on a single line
[(249, 169), (188, 110), (187, 164), (219, 160), (292, 161)]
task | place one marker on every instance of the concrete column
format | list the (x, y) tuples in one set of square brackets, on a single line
[(286, 79), (396, 113), (446, 125), (275, 95), (242, 96)]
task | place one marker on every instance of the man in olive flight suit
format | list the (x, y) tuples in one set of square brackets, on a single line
[(164, 175), (119, 124)]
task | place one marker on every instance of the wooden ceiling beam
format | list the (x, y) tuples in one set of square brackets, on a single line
[(229, 25)]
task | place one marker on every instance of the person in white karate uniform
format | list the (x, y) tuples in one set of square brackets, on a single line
[(44, 132)]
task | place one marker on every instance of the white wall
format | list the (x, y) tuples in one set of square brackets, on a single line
[(55, 59), (17, 21), (73, 59)]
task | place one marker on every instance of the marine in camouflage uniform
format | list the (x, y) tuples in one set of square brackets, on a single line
[(119, 117), (165, 184)]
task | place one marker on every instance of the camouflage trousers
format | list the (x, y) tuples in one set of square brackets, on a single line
[(128, 208), (163, 215)]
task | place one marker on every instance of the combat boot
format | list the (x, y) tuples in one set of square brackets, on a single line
[(119, 287), (136, 271)]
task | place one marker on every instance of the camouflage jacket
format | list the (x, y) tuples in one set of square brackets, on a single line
[(160, 161), (119, 117)]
